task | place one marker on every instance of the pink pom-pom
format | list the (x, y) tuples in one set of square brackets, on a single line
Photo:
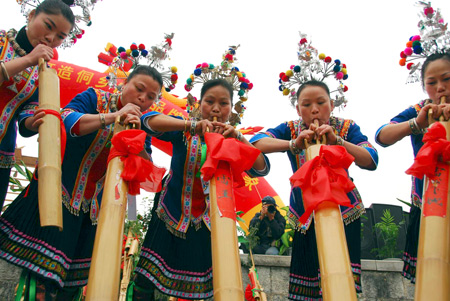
[(187, 88), (339, 75), (247, 81), (408, 51), (441, 21), (292, 67), (428, 11), (123, 55), (205, 65), (416, 38)]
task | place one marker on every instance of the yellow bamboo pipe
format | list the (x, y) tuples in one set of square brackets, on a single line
[(335, 268), (433, 258), (226, 263), (104, 273), (49, 163)]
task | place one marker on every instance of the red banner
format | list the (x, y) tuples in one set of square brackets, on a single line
[(435, 198)]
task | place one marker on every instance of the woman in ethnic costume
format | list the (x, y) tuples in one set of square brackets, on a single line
[(313, 103), (60, 261), (434, 75), (176, 254), (48, 26)]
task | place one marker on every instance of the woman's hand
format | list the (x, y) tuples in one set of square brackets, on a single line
[(307, 135), (130, 113), (204, 126), (40, 51), (32, 123), (327, 131)]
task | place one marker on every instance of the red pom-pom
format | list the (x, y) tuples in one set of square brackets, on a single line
[(141, 46), (285, 78), (409, 66), (79, 36), (250, 86), (82, 31), (303, 41), (403, 55), (133, 47), (344, 66), (169, 41), (173, 77), (249, 293), (327, 59), (345, 88), (74, 40), (198, 66), (242, 79), (229, 57), (282, 74)]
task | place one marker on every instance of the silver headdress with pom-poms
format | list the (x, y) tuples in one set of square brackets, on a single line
[(313, 66)]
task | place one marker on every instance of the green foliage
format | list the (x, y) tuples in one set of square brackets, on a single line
[(285, 242), (24, 172), (388, 232)]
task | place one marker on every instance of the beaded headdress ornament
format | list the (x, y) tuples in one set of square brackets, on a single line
[(313, 66), (122, 61), (80, 8), (226, 70), (433, 37)]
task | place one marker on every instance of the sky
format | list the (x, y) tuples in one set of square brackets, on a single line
[(367, 36)]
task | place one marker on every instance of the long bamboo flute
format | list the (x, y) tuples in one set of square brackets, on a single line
[(104, 273), (433, 258), (335, 268), (49, 163), (226, 263)]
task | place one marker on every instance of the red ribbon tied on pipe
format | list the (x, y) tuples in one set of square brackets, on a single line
[(436, 148), (324, 179), (239, 155), (137, 171)]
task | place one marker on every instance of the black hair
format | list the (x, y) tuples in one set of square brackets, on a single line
[(56, 7), (431, 58), (313, 83), (147, 70), (217, 82)]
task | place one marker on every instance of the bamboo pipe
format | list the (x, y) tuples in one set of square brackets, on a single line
[(433, 258), (49, 163), (104, 273), (335, 268), (226, 263)]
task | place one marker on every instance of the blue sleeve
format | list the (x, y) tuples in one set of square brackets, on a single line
[(164, 136), (356, 137), (280, 132), (27, 110), (406, 115), (83, 103), (260, 173)]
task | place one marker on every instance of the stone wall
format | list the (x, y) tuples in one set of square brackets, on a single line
[(381, 279)]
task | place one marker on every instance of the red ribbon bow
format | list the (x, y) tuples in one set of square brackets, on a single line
[(137, 171), (436, 148), (240, 156), (324, 179)]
